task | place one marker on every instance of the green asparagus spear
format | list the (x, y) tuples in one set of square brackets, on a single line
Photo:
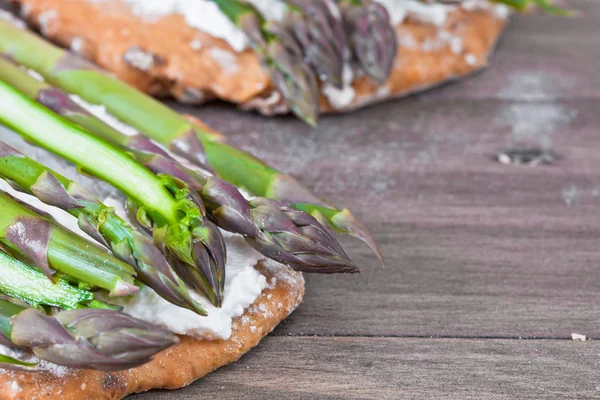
[(163, 205), (100, 222), (372, 37), (321, 36), (32, 237), (84, 338), (7, 362), (170, 129), (546, 6), (28, 284)]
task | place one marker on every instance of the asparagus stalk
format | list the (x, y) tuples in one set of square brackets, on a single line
[(372, 37), (100, 222), (546, 6), (7, 362), (28, 284), (163, 205), (278, 237), (164, 125), (32, 237), (85, 338), (282, 56), (321, 35)]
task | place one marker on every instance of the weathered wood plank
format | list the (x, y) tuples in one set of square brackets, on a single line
[(393, 368), (474, 247), (540, 58)]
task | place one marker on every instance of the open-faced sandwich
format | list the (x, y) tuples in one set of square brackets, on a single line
[(276, 56), (171, 274)]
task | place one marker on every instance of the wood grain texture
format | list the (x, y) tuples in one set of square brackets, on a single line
[(398, 368), (540, 58), (475, 249)]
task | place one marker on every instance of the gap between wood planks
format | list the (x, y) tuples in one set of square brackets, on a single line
[(457, 337)]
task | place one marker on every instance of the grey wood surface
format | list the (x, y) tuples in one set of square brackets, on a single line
[(479, 254), (475, 249), (402, 368)]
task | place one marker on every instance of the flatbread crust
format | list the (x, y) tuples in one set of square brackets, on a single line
[(165, 56), (175, 367)]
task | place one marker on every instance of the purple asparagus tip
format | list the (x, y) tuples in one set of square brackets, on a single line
[(321, 35), (276, 230), (291, 75), (372, 38), (90, 338)]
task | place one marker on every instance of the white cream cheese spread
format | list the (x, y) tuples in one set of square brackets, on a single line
[(341, 98), (243, 284), (201, 14)]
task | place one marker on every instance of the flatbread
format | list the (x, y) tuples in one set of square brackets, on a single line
[(165, 56), (175, 367)]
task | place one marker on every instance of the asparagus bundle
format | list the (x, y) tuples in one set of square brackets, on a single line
[(163, 205), (321, 35), (276, 230), (164, 125), (372, 37), (281, 54), (100, 222), (84, 338), (286, 235), (30, 236), (91, 335)]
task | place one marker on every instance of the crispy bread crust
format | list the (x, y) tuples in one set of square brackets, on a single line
[(175, 367), (195, 67)]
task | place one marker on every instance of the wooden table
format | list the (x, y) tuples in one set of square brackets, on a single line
[(490, 267)]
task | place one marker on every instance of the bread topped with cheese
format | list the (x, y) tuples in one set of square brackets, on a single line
[(259, 294), (190, 51)]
